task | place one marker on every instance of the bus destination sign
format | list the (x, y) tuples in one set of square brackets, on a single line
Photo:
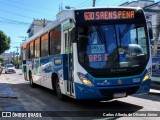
[(109, 15)]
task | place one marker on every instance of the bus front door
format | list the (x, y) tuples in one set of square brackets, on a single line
[(69, 52)]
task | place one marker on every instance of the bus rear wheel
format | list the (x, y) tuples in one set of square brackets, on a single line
[(58, 90), (31, 81)]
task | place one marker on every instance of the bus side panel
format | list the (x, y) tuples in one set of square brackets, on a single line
[(63, 75), (29, 67), (36, 71), (55, 64)]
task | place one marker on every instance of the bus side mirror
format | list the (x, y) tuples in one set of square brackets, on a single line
[(73, 35), (150, 29)]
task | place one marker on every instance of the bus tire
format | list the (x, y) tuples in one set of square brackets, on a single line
[(31, 80), (58, 90), (54, 77)]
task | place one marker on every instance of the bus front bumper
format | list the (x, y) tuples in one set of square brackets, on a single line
[(94, 92)]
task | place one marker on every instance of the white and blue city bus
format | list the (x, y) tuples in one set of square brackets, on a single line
[(92, 53)]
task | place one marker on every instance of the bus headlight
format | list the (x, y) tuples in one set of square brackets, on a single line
[(84, 79), (147, 76)]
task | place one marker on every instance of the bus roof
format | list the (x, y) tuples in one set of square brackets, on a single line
[(69, 14), (108, 7)]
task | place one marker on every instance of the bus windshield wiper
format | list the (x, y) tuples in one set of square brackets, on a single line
[(101, 35), (125, 30)]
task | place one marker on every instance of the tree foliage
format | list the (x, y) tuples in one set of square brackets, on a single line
[(16, 61), (1, 60), (4, 42)]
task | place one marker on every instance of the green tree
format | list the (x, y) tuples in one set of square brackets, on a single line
[(1, 60), (4, 42), (15, 61)]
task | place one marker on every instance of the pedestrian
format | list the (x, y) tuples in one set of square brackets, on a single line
[(1, 69)]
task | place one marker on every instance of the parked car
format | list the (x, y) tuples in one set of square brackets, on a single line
[(9, 68)]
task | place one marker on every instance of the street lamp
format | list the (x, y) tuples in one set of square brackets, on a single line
[(23, 37), (68, 7)]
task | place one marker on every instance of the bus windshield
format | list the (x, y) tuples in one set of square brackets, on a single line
[(112, 46)]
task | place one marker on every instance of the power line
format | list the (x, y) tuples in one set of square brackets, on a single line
[(28, 4), (122, 1), (79, 5), (13, 21), (26, 9), (86, 4), (98, 1), (9, 21), (16, 14)]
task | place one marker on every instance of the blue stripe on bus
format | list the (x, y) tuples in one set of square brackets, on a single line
[(114, 81), (93, 92), (48, 65)]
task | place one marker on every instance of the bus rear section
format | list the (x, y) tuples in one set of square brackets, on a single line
[(112, 57)]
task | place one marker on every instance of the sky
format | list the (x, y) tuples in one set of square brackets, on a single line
[(17, 15)]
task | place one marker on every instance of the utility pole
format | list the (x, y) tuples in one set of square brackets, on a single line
[(44, 23), (17, 54), (94, 1)]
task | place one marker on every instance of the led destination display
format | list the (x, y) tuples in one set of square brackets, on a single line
[(107, 15)]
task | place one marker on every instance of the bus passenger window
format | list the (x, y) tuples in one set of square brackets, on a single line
[(27, 51), (37, 47), (55, 41), (31, 49), (44, 45)]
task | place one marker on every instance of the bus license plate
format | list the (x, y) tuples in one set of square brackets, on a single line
[(118, 95)]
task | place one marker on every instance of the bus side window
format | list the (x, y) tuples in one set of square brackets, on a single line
[(31, 52), (44, 45), (27, 51), (37, 48), (55, 41)]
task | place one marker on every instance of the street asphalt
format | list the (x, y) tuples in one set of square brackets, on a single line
[(8, 97)]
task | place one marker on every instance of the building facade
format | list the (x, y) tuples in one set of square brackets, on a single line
[(37, 25), (8, 57)]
